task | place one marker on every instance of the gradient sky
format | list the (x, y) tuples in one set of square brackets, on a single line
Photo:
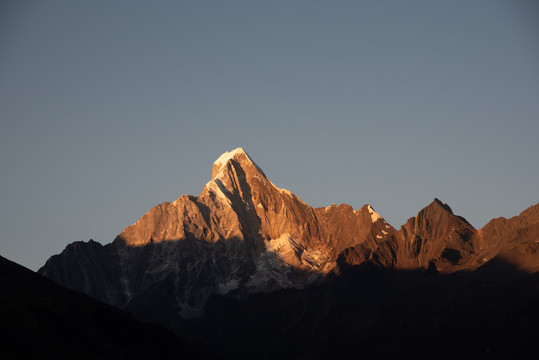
[(108, 108)]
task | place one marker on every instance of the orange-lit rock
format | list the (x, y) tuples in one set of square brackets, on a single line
[(244, 235)]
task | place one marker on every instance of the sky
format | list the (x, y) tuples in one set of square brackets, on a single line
[(108, 108)]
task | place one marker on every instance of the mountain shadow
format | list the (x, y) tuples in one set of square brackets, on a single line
[(254, 272), (370, 312), (40, 319)]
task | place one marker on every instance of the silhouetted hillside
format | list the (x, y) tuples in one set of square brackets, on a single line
[(40, 319), (371, 313)]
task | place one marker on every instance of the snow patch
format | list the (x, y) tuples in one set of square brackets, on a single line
[(282, 261), (277, 244), (374, 215), (217, 188), (316, 260), (384, 232), (378, 236), (229, 155), (224, 158)]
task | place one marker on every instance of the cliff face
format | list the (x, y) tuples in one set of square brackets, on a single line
[(435, 238), (243, 235), (240, 203)]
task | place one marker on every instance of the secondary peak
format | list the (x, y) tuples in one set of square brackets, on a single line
[(374, 215)]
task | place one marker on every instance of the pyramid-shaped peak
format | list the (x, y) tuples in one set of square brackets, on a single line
[(372, 213), (238, 155), (439, 203), (228, 155)]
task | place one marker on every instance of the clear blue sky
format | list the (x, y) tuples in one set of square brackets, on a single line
[(108, 108)]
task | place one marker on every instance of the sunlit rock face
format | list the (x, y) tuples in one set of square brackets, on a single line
[(244, 235), (241, 235), (515, 240)]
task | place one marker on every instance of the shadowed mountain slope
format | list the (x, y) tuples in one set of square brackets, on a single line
[(40, 319), (373, 313), (260, 253), (243, 235)]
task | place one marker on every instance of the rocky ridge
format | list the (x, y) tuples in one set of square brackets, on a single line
[(243, 235)]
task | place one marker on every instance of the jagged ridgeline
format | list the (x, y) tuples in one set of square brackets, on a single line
[(243, 235)]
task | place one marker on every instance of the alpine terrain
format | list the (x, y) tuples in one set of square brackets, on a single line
[(249, 268)]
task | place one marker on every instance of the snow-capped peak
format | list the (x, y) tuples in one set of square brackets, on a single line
[(220, 163), (224, 158)]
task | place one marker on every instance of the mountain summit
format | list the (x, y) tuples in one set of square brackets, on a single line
[(239, 156), (243, 235), (253, 271)]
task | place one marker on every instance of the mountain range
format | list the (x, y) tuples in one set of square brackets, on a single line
[(243, 245)]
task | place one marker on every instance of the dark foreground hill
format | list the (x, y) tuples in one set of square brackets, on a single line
[(375, 313), (42, 320)]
